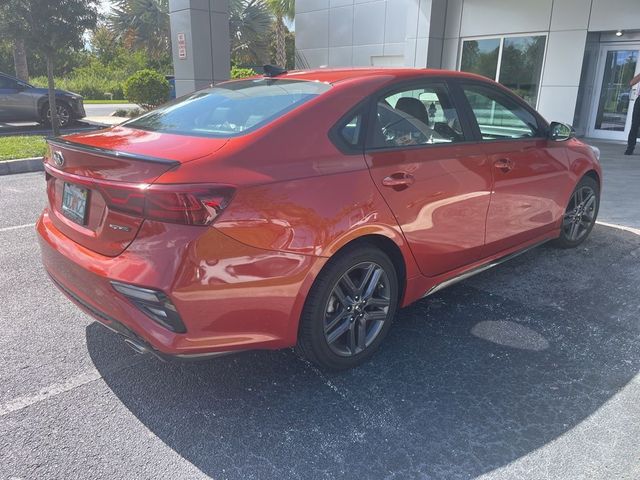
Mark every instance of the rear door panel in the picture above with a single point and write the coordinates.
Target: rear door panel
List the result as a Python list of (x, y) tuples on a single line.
[(438, 188), (442, 214)]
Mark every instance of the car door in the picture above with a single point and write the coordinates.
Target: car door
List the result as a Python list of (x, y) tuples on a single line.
[(434, 180), (530, 172), (15, 104)]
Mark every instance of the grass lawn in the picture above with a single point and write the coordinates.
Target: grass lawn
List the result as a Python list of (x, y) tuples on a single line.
[(21, 146), (104, 102)]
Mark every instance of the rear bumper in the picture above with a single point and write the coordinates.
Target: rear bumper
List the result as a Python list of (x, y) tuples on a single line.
[(231, 297), (134, 341)]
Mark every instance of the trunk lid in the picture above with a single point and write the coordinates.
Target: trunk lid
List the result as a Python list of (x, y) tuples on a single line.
[(96, 180)]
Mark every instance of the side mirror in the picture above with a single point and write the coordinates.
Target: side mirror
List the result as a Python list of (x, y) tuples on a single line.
[(560, 132)]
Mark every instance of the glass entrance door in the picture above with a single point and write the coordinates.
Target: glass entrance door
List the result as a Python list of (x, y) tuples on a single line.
[(613, 104)]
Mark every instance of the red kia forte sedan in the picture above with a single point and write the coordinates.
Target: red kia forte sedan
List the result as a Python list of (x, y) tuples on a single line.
[(303, 208)]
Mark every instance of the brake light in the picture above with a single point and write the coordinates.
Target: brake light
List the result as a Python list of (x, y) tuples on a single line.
[(196, 204), (189, 204)]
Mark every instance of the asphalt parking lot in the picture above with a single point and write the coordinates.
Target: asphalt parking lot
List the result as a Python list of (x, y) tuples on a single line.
[(530, 370)]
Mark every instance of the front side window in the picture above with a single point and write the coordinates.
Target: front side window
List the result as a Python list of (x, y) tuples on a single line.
[(515, 62), (230, 109), (498, 116), (417, 116)]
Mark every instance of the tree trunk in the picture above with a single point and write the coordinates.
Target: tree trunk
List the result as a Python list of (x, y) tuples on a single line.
[(20, 60), (52, 97), (281, 49)]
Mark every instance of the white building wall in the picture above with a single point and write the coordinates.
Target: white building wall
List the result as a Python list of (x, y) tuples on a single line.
[(351, 32)]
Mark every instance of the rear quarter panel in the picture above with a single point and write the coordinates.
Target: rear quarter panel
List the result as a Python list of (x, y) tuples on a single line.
[(296, 191)]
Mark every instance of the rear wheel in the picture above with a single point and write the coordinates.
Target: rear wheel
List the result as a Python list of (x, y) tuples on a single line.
[(64, 114), (580, 215), (349, 309)]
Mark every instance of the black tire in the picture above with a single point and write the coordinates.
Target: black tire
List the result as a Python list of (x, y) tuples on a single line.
[(364, 265), (581, 214), (65, 115)]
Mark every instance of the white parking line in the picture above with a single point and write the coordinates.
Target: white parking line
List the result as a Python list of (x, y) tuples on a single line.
[(56, 389), (16, 227), (619, 227), (48, 392)]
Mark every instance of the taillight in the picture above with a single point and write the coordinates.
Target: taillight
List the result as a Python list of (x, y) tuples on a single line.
[(196, 204), (189, 204)]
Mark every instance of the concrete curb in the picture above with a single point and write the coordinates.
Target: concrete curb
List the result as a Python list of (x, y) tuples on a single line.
[(21, 165)]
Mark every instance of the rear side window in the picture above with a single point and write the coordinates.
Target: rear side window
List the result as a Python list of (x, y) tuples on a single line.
[(351, 131), (416, 116), (498, 116), (230, 109), (8, 83)]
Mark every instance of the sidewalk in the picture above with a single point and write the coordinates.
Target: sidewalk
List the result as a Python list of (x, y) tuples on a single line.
[(619, 203)]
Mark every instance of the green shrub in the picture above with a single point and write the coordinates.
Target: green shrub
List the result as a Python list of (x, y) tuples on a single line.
[(238, 72), (147, 88), (131, 113), (90, 87)]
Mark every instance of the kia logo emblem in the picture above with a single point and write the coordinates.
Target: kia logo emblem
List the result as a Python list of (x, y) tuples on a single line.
[(58, 158)]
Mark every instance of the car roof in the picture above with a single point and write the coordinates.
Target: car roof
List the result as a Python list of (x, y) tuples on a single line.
[(335, 75)]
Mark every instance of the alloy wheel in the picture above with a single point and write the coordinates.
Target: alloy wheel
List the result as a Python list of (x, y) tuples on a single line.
[(357, 308), (580, 214), (63, 115)]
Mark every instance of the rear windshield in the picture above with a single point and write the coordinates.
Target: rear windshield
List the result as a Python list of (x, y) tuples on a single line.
[(230, 109)]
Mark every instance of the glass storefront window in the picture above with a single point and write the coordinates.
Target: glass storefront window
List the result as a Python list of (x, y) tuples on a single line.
[(481, 57), (516, 62), (521, 66)]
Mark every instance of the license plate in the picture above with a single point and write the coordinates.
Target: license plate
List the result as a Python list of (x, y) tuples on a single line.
[(74, 203)]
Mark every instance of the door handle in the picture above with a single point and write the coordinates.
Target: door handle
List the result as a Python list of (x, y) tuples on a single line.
[(504, 165), (398, 180)]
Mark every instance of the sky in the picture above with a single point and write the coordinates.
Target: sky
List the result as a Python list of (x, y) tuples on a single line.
[(104, 6)]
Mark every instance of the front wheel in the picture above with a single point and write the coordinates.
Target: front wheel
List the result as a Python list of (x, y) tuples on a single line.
[(349, 309), (580, 215), (64, 115)]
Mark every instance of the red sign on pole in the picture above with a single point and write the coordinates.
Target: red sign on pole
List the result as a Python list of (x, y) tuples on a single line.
[(182, 46)]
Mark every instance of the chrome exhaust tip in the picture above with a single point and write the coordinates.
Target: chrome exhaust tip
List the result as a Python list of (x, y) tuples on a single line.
[(136, 346)]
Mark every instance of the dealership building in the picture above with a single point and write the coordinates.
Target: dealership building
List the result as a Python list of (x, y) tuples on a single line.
[(571, 59)]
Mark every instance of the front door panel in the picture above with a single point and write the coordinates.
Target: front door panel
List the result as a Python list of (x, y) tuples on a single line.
[(528, 193), (530, 173)]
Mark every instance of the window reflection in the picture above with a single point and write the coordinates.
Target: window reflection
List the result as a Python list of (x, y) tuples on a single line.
[(520, 66), (481, 57), (613, 105)]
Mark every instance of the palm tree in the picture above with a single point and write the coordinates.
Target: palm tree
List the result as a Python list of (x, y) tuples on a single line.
[(249, 25), (10, 30), (145, 24), (281, 10), (142, 24)]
